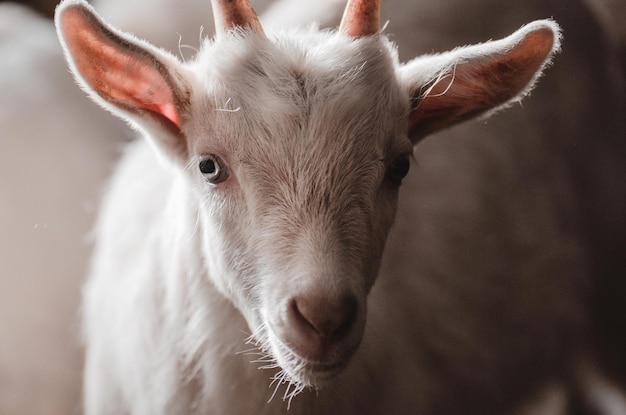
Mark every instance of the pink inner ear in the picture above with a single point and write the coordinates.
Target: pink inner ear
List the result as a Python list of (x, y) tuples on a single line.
[(121, 73), (481, 84), (133, 82)]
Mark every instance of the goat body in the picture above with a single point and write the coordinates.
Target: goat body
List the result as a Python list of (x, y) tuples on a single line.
[(257, 210)]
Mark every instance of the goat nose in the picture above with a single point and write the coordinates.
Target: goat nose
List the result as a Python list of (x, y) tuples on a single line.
[(322, 321)]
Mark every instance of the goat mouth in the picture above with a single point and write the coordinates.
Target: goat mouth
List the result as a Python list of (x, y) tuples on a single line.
[(312, 373), (320, 373), (292, 372)]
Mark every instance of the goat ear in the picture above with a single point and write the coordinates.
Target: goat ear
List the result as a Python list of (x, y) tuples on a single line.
[(133, 79), (476, 80)]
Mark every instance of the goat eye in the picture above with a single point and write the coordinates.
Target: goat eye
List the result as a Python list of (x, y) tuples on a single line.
[(399, 169), (212, 169)]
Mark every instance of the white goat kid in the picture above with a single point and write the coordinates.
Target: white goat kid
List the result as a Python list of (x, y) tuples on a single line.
[(262, 210)]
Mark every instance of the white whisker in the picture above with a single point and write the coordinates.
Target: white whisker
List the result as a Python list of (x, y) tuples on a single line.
[(200, 35), (226, 104)]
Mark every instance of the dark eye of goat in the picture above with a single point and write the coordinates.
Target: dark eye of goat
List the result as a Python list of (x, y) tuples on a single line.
[(399, 169), (212, 169)]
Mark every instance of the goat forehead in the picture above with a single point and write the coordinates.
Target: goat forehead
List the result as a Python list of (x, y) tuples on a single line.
[(229, 57), (297, 98)]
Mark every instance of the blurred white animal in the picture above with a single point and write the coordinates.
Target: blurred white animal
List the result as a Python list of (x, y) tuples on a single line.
[(50, 180), (259, 205)]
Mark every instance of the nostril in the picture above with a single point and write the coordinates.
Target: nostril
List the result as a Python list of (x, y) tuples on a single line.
[(349, 313), (328, 319), (301, 316)]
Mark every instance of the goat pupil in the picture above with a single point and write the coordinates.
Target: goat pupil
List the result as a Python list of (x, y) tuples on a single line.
[(213, 169), (208, 167), (399, 169)]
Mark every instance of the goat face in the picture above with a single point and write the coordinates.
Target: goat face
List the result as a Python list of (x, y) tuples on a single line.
[(311, 157), (294, 146)]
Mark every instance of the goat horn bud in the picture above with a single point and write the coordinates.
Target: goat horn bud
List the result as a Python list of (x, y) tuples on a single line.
[(361, 18), (234, 13)]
